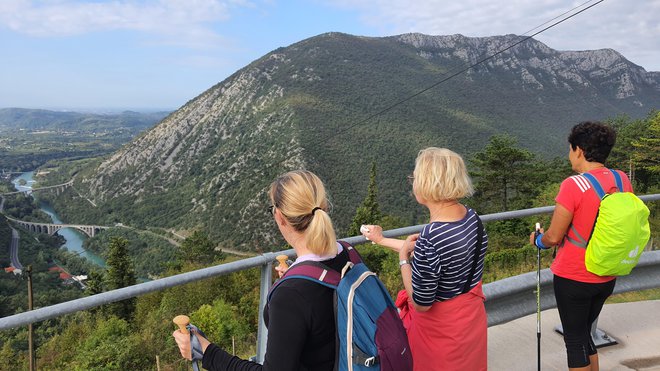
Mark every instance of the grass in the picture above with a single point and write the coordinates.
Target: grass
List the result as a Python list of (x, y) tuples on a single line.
[(650, 294)]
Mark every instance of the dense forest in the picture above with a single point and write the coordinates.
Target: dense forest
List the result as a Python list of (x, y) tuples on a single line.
[(136, 334)]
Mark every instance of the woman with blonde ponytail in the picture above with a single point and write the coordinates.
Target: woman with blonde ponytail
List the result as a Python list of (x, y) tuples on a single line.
[(300, 313), (300, 207)]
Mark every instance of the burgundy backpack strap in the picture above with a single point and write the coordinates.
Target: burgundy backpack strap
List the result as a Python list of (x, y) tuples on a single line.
[(312, 271), (353, 255)]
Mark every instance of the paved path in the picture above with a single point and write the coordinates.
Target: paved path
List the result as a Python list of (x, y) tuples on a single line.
[(635, 326), (13, 249)]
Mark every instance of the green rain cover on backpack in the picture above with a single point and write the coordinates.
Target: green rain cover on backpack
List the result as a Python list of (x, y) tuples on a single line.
[(620, 232)]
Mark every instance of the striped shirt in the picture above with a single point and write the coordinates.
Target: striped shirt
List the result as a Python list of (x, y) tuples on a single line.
[(444, 254)]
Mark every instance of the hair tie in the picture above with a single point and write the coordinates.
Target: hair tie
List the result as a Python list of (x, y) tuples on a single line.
[(314, 210)]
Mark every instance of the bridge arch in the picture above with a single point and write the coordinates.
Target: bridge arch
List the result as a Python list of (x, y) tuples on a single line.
[(51, 229)]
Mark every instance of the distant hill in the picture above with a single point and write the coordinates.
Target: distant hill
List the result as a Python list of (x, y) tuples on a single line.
[(208, 165), (39, 119), (31, 137)]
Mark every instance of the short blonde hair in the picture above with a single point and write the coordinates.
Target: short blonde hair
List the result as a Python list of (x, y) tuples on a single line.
[(440, 175), (301, 198)]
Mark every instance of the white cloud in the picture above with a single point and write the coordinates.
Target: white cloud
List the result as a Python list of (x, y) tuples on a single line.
[(179, 22), (632, 28)]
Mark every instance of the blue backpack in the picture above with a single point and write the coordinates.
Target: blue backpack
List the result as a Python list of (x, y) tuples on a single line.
[(370, 334)]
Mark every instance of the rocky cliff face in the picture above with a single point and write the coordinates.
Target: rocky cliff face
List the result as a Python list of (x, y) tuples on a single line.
[(208, 165), (207, 128), (604, 71)]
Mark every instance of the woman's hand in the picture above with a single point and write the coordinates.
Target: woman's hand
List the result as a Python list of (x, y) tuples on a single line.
[(408, 247), (183, 341), (281, 269), (371, 232), (532, 237)]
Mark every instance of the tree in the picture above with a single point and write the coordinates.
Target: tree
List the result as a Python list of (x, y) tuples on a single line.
[(647, 147), (221, 322), (95, 282), (635, 152), (369, 211), (505, 175), (120, 274), (198, 248)]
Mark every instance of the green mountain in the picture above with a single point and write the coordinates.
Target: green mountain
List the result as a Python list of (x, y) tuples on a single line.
[(39, 119), (31, 137), (329, 104)]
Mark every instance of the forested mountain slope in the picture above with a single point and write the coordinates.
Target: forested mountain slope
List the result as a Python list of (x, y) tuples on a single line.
[(208, 165)]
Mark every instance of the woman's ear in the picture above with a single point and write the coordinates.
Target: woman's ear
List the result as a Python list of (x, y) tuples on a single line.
[(279, 218)]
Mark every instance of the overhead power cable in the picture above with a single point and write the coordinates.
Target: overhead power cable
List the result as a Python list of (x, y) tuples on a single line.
[(459, 72)]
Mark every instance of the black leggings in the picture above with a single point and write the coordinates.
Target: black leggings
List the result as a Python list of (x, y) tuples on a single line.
[(579, 304)]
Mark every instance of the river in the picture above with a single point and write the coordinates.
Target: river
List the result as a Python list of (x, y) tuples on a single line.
[(74, 238)]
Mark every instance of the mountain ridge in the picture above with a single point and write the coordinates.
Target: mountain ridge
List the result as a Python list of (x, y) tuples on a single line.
[(208, 165)]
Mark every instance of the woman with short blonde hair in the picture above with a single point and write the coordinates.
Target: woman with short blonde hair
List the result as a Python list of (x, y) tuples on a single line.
[(440, 175), (443, 303)]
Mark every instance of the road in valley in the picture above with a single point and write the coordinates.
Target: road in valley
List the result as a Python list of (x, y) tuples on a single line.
[(13, 250)]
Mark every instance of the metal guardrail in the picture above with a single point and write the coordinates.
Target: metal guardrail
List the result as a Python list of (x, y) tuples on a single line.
[(515, 297), (507, 299)]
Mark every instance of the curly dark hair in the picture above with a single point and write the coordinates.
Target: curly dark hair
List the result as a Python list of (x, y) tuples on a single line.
[(594, 138)]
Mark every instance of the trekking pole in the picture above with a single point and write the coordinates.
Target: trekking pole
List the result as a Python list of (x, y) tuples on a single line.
[(183, 322), (282, 259), (538, 299)]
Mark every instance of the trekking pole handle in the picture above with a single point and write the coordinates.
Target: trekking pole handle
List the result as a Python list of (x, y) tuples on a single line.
[(182, 321), (282, 259)]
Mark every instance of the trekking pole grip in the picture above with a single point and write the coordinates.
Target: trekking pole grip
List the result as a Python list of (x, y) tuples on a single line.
[(182, 321), (282, 259)]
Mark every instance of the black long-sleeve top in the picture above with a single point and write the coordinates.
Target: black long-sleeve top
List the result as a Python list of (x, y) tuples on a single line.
[(301, 325)]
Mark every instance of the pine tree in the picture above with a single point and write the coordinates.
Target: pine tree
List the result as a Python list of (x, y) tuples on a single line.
[(505, 175), (120, 273), (369, 211), (198, 248), (647, 147)]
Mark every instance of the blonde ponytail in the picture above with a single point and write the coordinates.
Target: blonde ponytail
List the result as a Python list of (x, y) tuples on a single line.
[(301, 198)]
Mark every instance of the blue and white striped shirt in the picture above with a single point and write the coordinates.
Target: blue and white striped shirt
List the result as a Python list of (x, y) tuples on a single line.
[(444, 254)]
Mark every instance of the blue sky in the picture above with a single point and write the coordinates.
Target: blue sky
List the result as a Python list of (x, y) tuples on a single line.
[(158, 54)]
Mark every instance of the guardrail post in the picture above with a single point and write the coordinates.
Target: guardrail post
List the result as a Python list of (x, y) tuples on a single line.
[(600, 338), (262, 331)]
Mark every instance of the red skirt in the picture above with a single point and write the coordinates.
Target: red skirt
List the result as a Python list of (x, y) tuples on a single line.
[(451, 335)]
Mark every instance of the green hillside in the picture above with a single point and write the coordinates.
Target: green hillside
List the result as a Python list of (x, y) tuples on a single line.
[(312, 105)]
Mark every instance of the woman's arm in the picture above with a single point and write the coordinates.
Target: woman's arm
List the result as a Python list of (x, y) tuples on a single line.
[(375, 234), (561, 221), (288, 324), (405, 252)]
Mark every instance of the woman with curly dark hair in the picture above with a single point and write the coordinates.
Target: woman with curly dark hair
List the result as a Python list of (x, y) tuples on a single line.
[(580, 294)]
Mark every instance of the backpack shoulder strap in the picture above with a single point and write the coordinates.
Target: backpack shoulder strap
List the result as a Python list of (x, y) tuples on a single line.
[(617, 179), (353, 255), (595, 184), (580, 241), (477, 253), (311, 271)]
